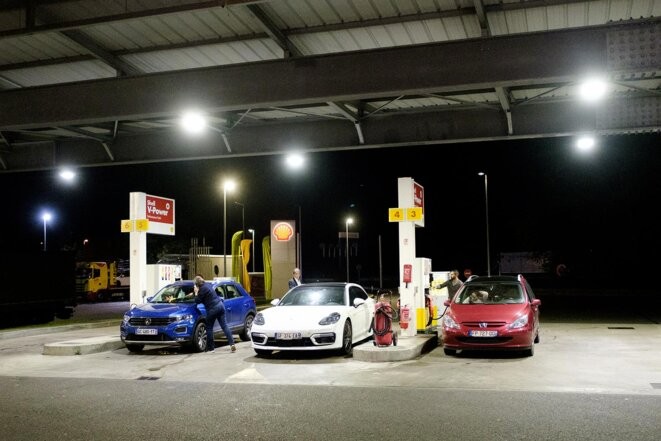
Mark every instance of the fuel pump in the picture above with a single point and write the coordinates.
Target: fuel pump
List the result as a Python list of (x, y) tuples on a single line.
[(421, 300)]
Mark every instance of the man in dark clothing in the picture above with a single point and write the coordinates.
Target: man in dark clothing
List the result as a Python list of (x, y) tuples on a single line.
[(215, 308), (453, 284), (295, 279)]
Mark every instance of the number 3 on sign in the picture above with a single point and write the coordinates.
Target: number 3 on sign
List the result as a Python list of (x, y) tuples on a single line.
[(414, 214)]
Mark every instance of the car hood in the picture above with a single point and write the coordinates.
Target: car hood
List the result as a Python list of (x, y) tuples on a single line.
[(488, 313), (163, 309), (300, 316)]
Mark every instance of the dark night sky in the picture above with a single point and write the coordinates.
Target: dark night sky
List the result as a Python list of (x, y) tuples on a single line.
[(594, 212)]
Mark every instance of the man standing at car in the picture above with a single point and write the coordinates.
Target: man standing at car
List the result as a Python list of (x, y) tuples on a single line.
[(295, 279), (453, 284), (215, 308)]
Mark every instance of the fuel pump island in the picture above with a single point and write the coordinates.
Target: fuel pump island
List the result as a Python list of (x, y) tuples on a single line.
[(418, 307)]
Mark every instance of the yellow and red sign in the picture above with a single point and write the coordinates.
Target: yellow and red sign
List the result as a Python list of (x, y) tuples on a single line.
[(283, 232)]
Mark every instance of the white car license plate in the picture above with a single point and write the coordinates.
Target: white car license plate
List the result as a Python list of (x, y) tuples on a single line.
[(146, 331), (483, 333), (288, 335)]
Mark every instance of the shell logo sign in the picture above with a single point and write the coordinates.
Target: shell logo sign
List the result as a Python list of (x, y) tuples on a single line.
[(283, 232)]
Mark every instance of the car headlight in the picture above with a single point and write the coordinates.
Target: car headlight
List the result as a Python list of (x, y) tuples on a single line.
[(449, 322), (520, 322), (259, 319), (183, 317), (126, 319), (330, 319)]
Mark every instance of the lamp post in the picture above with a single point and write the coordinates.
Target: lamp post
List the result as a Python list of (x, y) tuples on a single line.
[(486, 210), (227, 186), (46, 217), (348, 221), (252, 232)]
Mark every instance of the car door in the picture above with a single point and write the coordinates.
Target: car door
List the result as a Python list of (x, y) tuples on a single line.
[(361, 316), (233, 304)]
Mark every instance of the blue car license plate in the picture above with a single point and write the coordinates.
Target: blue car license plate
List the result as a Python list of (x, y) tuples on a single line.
[(146, 331)]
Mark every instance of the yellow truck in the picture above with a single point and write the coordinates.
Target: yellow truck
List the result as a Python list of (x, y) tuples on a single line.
[(100, 281)]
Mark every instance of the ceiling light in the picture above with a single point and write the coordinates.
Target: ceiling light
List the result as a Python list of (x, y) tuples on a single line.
[(593, 89), (193, 122)]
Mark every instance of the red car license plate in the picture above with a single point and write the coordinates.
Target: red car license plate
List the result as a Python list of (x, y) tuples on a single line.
[(483, 333)]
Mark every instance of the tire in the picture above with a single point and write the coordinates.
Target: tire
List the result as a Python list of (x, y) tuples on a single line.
[(529, 352), (134, 348), (536, 338), (263, 352), (247, 326), (347, 339), (449, 351), (199, 340)]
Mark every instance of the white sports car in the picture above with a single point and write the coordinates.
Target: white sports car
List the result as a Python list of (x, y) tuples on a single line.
[(315, 316)]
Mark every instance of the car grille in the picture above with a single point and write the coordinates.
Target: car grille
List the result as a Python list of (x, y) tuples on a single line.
[(484, 340), (143, 338), (299, 343), (155, 321), (476, 325)]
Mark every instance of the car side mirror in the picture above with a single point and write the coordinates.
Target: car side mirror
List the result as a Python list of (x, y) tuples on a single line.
[(358, 301)]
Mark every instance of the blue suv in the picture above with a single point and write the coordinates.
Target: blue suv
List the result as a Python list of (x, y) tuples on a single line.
[(171, 318)]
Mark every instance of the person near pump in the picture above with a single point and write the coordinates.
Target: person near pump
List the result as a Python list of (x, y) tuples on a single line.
[(452, 284), (295, 279), (215, 308)]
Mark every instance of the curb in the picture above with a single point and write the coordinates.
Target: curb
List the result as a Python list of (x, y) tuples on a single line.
[(83, 346), (408, 348)]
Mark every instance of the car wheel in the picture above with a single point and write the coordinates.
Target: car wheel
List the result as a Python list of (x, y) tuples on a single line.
[(347, 339), (536, 338), (135, 348), (450, 351), (247, 325), (199, 341), (263, 352), (529, 352)]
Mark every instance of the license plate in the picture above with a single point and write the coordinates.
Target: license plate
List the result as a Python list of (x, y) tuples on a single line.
[(483, 333), (288, 335), (146, 331)]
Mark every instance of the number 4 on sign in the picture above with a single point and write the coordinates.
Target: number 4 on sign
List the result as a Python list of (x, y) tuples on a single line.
[(395, 214), (414, 214)]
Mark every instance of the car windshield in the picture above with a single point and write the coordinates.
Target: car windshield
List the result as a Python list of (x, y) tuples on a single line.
[(314, 296), (173, 293), (495, 293)]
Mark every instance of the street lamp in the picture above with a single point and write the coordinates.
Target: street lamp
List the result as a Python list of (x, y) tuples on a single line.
[(348, 221), (46, 217), (227, 186), (252, 232), (486, 207), (295, 161)]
